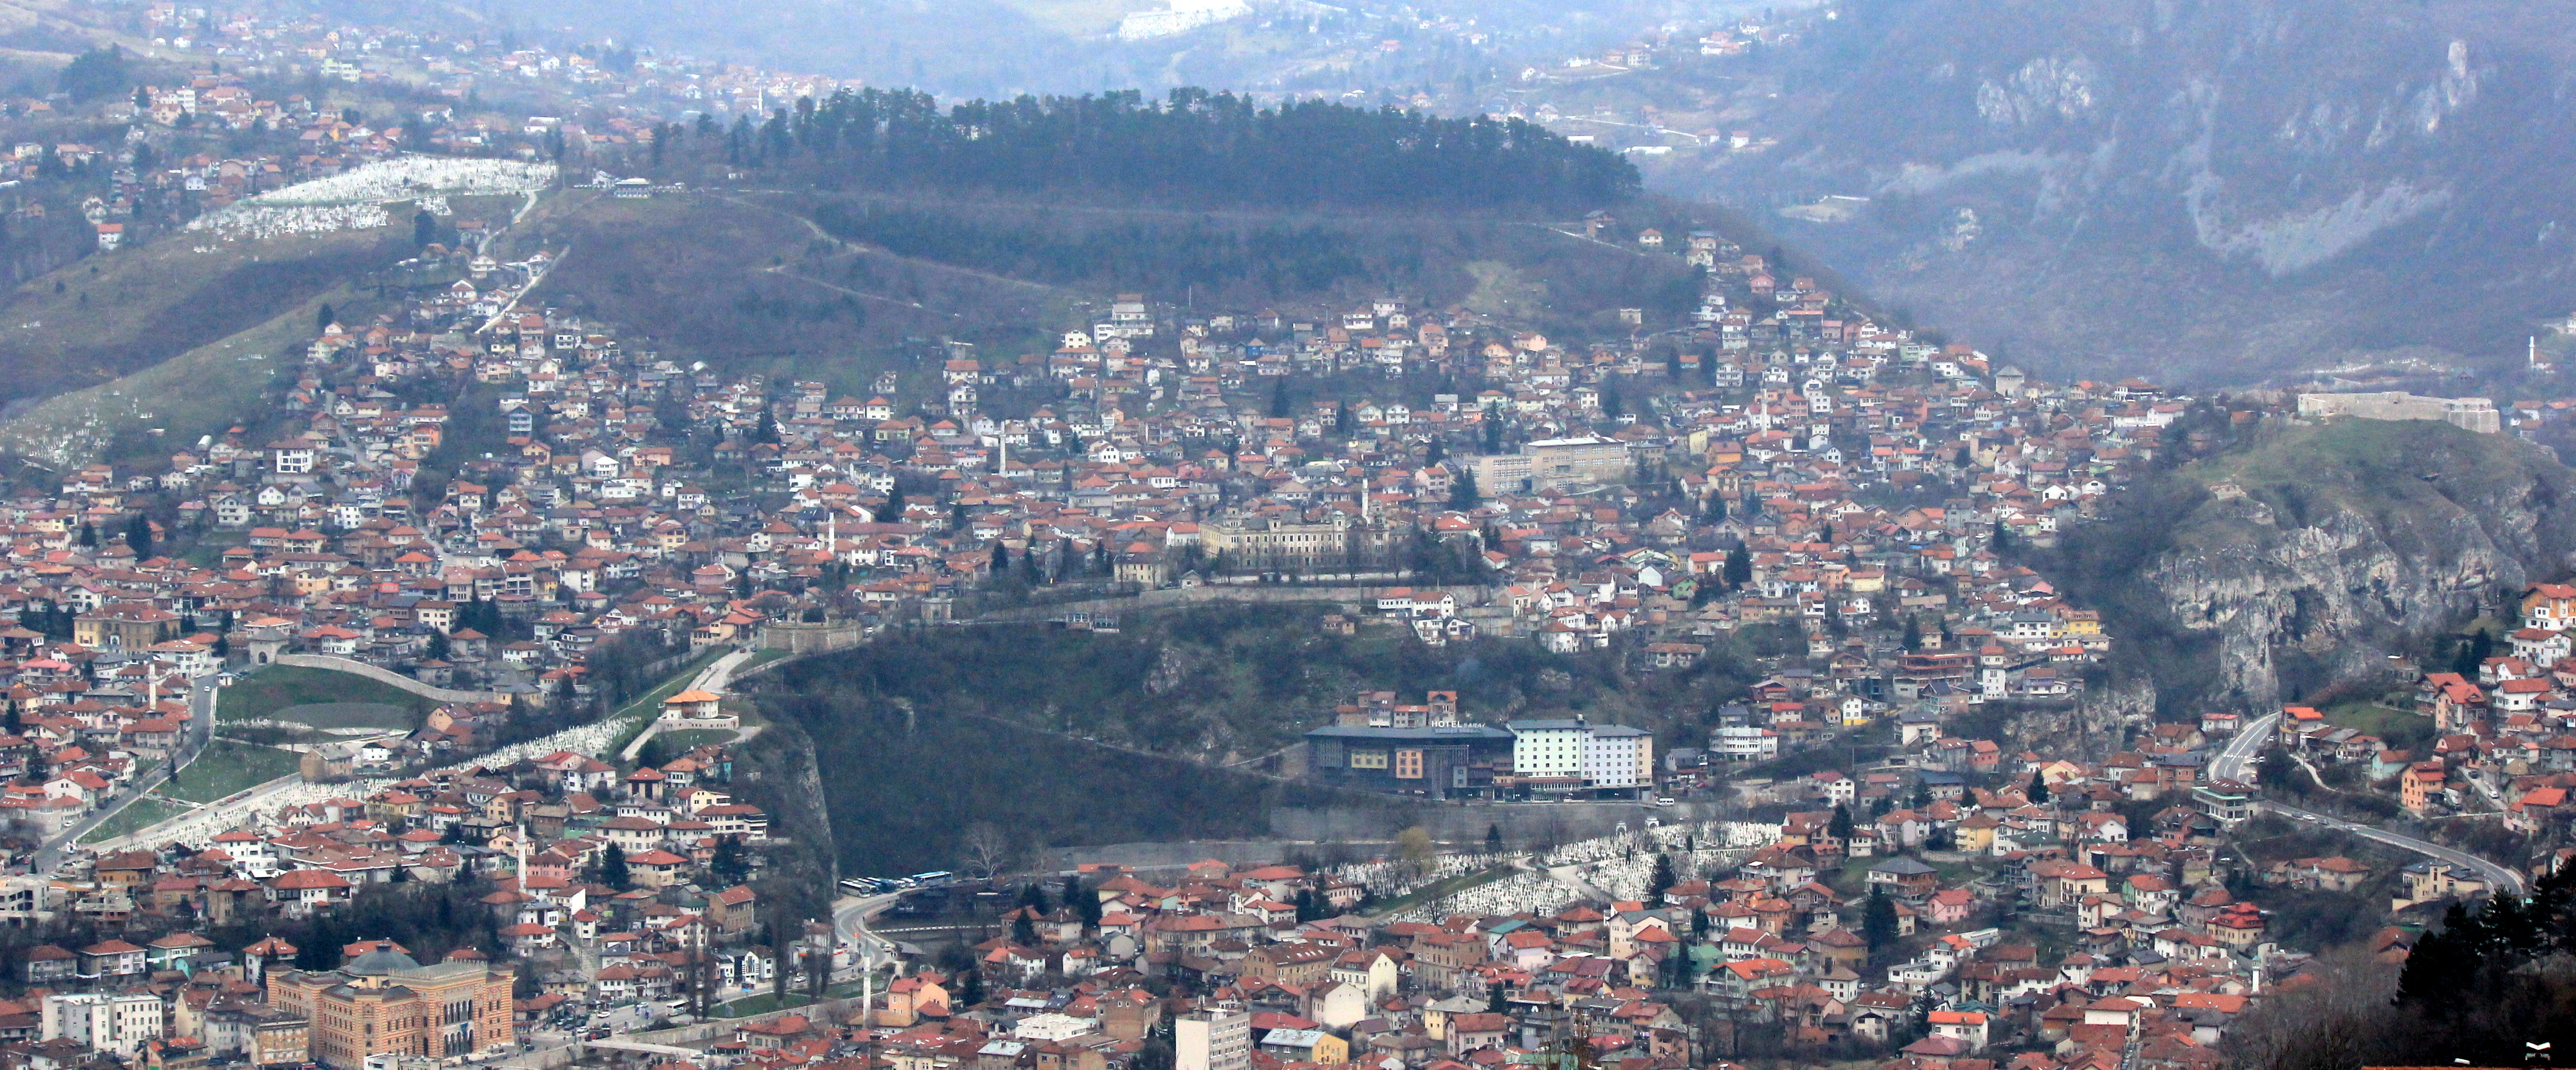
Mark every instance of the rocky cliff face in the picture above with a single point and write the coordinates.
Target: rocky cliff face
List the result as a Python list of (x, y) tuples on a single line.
[(2311, 559), (2210, 189)]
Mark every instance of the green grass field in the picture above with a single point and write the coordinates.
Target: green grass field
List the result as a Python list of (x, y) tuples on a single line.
[(225, 767), (649, 704), (2399, 729), (678, 743), (265, 693), (143, 813), (350, 715), (1442, 889)]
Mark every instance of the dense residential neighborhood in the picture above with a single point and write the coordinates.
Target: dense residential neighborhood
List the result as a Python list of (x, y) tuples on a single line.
[(408, 719), (1846, 487)]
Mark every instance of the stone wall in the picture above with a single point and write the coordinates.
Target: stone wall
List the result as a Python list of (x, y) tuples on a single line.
[(387, 676)]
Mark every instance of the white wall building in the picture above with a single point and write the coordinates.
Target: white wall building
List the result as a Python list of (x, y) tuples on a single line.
[(1212, 1040), (1618, 756), (120, 1023), (1745, 743), (1553, 748)]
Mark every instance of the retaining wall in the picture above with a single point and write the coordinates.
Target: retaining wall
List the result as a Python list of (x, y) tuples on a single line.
[(387, 676)]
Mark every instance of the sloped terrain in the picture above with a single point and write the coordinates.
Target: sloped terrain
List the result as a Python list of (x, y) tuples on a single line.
[(115, 314), (2257, 576), (822, 284), (2210, 190)]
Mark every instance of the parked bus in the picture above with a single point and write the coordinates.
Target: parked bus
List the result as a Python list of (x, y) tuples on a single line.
[(934, 879)]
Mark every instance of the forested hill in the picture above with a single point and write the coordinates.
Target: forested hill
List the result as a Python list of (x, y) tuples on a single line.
[(1194, 148)]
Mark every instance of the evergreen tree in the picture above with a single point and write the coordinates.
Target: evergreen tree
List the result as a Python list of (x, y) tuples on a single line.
[(1155, 1054), (88, 536), (1913, 637), (1739, 566), (138, 534), (1497, 1001), (1493, 839), (612, 869), (1840, 828), (1085, 905), (2038, 790), (1660, 881), (1023, 931), (728, 866), (1463, 494), (2474, 653), (1878, 920), (2441, 970)]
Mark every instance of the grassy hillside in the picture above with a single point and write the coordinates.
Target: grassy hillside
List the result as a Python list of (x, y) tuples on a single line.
[(739, 282), (837, 287), (112, 315), (929, 733), (1224, 683), (277, 687), (905, 788), (186, 333), (199, 391)]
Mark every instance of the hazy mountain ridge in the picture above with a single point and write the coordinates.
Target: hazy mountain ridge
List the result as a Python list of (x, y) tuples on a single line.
[(1008, 47), (2220, 190)]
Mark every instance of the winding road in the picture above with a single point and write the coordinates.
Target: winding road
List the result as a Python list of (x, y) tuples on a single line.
[(2236, 762), (201, 730)]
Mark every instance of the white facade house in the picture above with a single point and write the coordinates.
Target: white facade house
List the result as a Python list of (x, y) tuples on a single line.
[(120, 1023), (1745, 743)]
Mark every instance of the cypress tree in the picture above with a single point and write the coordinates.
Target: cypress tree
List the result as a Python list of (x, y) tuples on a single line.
[(1878, 920)]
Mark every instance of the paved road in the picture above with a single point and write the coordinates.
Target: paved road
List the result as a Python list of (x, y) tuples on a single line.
[(713, 679), (850, 915), (201, 728), (2496, 874), (2236, 762)]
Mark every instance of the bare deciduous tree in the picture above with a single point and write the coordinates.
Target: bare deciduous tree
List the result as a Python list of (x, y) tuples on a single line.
[(2331, 1021), (988, 850)]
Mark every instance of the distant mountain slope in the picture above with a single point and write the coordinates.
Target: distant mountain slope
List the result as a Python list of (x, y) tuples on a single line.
[(1008, 47), (2215, 189)]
